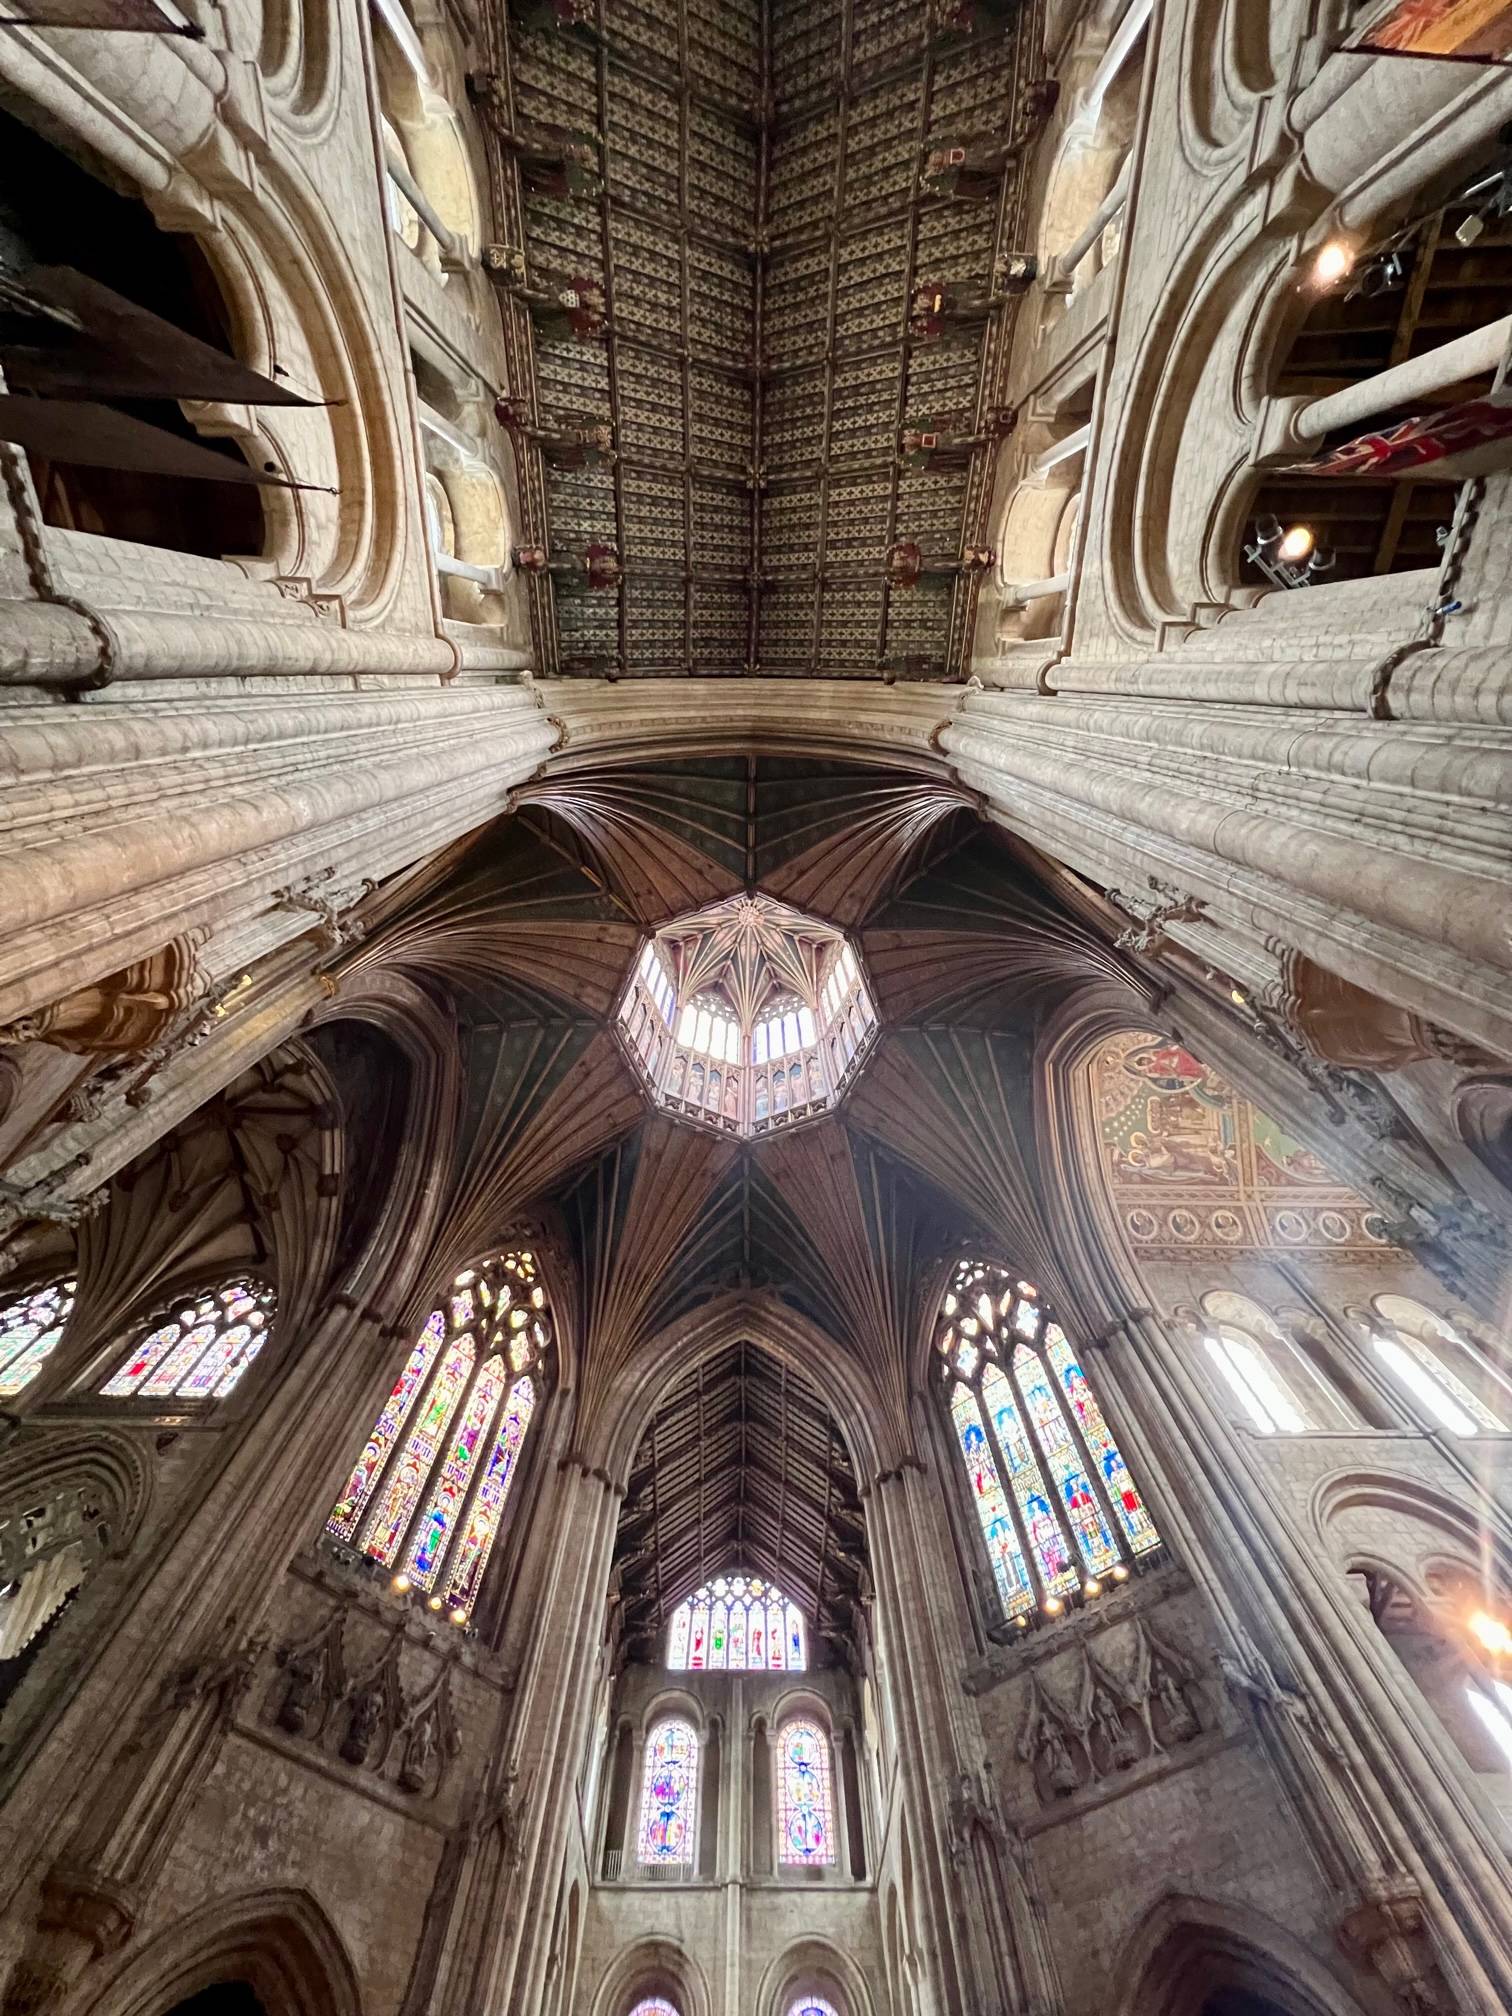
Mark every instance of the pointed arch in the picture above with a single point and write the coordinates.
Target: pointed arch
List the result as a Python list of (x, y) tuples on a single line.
[(1189, 1948), (280, 1943)]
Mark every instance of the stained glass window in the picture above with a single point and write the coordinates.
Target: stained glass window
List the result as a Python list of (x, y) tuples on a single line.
[(429, 1490), (199, 1349), (30, 1325), (739, 1623), (805, 1801), (669, 1795), (812, 2005), (654, 2005), (1058, 1509)]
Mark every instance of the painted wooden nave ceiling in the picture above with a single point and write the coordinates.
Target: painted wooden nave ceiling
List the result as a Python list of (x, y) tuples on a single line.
[(719, 218)]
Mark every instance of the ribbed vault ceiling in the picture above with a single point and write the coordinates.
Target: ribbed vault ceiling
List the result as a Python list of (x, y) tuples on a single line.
[(515, 953), (755, 219)]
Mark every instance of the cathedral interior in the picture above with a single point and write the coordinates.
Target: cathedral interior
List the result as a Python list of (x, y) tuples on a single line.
[(755, 1008)]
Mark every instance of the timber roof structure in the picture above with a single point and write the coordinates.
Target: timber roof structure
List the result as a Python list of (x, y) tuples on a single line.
[(514, 954), (737, 204)]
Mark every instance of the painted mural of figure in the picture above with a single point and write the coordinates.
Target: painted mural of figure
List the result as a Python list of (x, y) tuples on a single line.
[(732, 1095)]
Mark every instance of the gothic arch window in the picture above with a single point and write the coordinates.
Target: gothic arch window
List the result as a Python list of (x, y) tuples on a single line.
[(655, 2005), (30, 1326), (1459, 1388), (668, 1834), (1265, 1400), (1057, 1506), (805, 1794), (737, 1624), (812, 2005), (428, 1493), (199, 1348)]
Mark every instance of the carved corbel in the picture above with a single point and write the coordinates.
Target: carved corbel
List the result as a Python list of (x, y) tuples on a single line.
[(1388, 1933), (83, 1917)]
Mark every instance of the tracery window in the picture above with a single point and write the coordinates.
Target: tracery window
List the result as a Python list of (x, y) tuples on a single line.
[(669, 1795), (1023, 1411), (812, 2005), (200, 1349), (30, 1326), (428, 1493), (654, 2005), (737, 1624), (1427, 1355), (805, 1795)]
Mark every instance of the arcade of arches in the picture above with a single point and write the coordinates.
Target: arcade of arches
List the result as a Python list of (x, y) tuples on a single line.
[(755, 1059)]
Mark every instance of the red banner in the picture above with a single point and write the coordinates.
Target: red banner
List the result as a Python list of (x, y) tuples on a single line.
[(1473, 439)]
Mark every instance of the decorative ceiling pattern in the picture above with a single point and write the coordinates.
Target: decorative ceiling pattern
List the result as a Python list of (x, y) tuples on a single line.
[(524, 947), (1191, 1164), (754, 251), (742, 1466)]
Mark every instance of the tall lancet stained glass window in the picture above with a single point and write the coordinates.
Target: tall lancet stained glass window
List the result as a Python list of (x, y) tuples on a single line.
[(669, 1795), (427, 1495), (737, 1624), (1058, 1509), (805, 1798)]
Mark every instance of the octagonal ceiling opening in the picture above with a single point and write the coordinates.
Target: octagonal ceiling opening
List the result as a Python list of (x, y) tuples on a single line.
[(747, 1016)]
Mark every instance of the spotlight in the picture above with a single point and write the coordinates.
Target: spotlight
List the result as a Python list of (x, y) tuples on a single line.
[(1239, 998), (1052, 1606), (1332, 263), (1091, 1587), (433, 1603), (1492, 1633), (458, 1616), (1296, 542), (401, 1583), (1120, 1573), (1021, 1623)]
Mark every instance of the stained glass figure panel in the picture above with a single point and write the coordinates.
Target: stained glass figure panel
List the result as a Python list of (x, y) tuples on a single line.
[(1009, 1571), (433, 1479), (669, 1795), (1057, 1506), (199, 1350), (738, 1623), (30, 1326), (805, 1799)]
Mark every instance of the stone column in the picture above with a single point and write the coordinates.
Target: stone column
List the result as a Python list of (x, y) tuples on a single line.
[(1378, 1792), (497, 1950), (938, 1740)]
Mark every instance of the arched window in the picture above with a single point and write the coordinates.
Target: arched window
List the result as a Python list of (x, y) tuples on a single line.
[(812, 2005), (805, 1795), (1439, 1368), (737, 1624), (669, 1796), (1491, 1703), (427, 1495), (1023, 1410), (655, 2005), (200, 1349), (30, 1325), (1261, 1392)]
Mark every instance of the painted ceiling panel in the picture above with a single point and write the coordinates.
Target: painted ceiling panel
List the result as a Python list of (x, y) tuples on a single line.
[(752, 213)]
